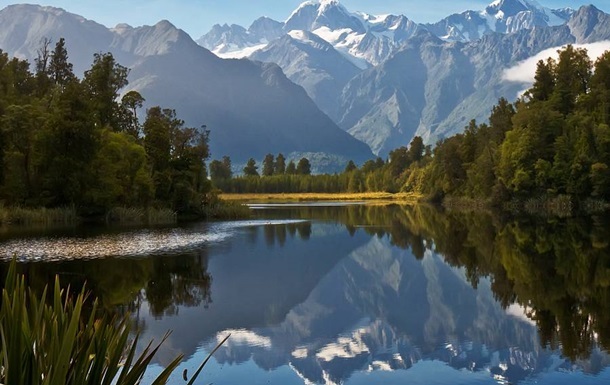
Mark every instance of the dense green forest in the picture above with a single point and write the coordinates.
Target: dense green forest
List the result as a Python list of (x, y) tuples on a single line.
[(554, 140), (66, 141)]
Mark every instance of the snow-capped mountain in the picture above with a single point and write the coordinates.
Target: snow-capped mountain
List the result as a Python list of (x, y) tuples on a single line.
[(365, 39), (234, 41), (432, 88), (370, 39), (503, 16), (250, 107)]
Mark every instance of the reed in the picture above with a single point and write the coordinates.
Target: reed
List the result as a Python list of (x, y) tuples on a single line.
[(228, 210), (47, 216), (408, 197)]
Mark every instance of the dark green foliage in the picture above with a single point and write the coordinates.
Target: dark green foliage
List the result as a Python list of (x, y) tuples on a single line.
[(553, 141), (280, 164), (251, 168), (544, 84), (268, 165), (128, 114), (304, 167), (60, 69), (103, 82), (291, 169), (351, 166), (221, 170), (69, 143)]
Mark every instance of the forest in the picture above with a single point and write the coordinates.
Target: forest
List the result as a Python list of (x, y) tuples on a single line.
[(553, 141), (70, 142)]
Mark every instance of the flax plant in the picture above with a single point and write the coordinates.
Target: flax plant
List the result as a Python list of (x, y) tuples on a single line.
[(55, 343)]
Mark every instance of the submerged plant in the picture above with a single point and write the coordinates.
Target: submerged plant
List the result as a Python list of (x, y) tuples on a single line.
[(55, 343)]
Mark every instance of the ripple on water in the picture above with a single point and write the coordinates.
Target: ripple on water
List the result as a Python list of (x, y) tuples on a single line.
[(128, 244)]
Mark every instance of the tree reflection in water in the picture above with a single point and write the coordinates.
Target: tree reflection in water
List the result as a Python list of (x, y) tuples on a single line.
[(556, 268)]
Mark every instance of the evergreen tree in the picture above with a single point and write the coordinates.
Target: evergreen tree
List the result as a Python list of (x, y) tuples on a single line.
[(226, 162), (268, 165), (280, 164), (416, 149), (60, 69), (351, 166), (544, 80), (573, 74), (500, 120), (303, 167), (251, 168), (291, 169)]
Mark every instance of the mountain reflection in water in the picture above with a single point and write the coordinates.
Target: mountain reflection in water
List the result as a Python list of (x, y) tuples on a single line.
[(370, 294)]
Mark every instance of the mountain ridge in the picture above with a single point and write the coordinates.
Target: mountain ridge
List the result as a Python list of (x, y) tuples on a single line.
[(346, 30), (251, 107)]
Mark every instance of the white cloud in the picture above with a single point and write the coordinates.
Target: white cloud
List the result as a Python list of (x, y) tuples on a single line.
[(524, 72)]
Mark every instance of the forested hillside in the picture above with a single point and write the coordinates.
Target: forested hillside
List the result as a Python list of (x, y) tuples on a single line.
[(554, 140)]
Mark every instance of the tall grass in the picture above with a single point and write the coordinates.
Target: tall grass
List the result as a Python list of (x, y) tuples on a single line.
[(28, 216), (409, 196), (55, 343)]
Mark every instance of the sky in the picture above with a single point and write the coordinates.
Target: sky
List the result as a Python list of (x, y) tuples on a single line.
[(196, 17)]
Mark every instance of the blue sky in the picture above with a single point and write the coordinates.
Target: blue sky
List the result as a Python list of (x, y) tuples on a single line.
[(197, 16)]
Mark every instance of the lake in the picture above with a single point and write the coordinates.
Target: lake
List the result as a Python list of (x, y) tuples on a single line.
[(351, 293)]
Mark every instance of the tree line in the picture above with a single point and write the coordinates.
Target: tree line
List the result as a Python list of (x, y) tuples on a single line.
[(66, 141), (277, 177), (554, 140)]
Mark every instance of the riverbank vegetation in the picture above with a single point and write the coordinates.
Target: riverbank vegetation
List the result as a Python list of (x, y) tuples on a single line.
[(70, 142), (365, 196), (551, 147)]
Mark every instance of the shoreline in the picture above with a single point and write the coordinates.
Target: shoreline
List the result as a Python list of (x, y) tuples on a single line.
[(379, 196)]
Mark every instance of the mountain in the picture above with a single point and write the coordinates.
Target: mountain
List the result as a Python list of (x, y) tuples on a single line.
[(433, 88), (229, 40), (503, 16), (250, 107), (365, 39), (386, 78), (312, 63), (370, 39)]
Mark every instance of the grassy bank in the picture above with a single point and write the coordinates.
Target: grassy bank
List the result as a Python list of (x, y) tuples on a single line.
[(404, 197), (67, 216), (38, 216)]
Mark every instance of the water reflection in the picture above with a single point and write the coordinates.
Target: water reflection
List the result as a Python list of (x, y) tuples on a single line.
[(353, 294)]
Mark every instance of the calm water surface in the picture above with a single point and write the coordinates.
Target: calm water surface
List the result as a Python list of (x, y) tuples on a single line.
[(352, 294)]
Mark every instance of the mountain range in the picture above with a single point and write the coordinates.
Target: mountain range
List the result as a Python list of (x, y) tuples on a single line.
[(250, 107), (327, 83), (408, 79)]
